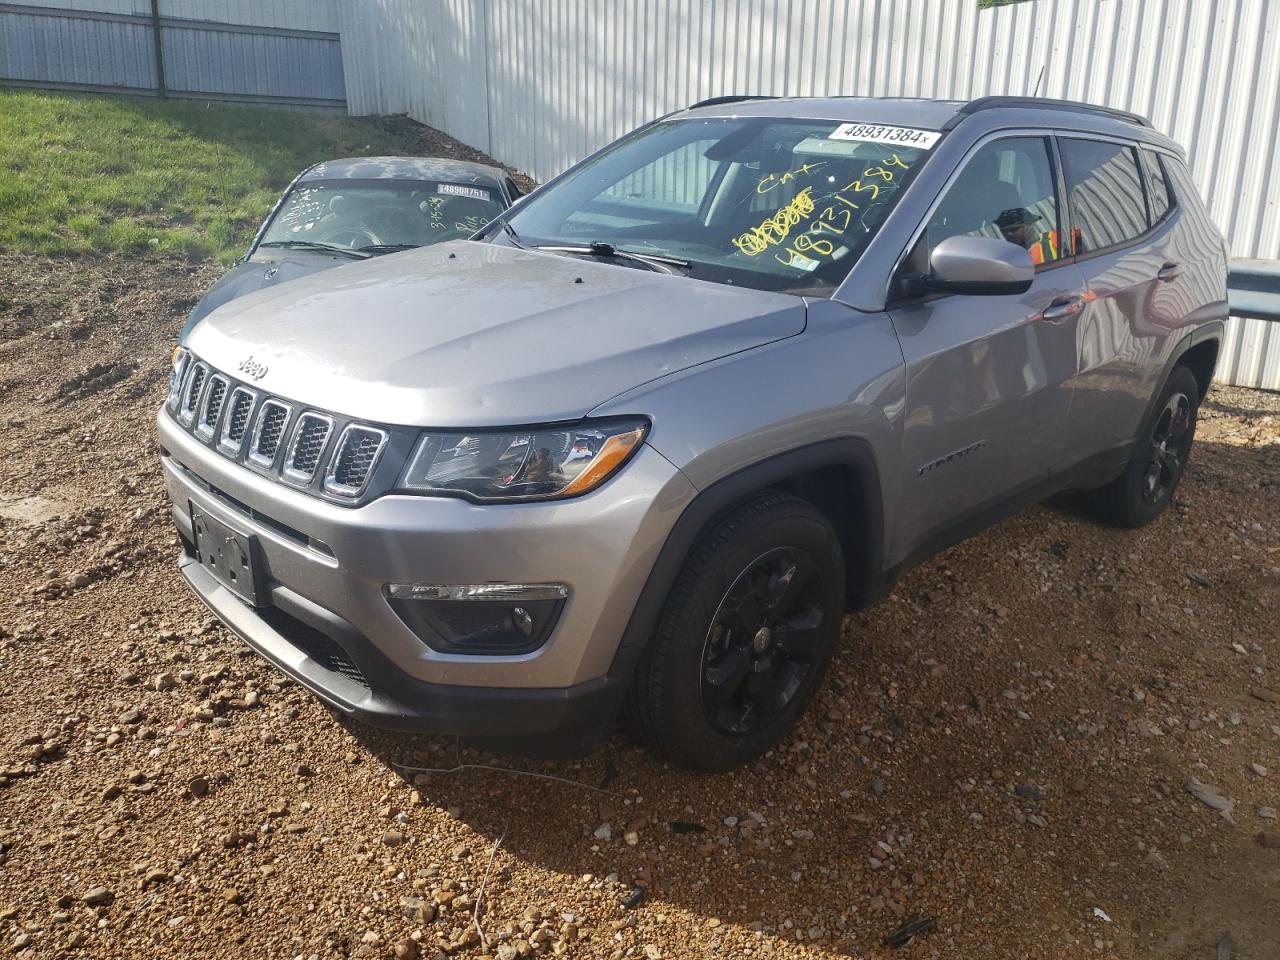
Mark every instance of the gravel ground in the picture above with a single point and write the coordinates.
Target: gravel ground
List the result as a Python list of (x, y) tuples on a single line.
[(1009, 744)]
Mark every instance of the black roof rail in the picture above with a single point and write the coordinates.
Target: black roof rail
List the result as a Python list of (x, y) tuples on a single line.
[(731, 98), (1046, 103)]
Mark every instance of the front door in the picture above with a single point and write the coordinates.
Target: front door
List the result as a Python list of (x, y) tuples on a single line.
[(988, 377)]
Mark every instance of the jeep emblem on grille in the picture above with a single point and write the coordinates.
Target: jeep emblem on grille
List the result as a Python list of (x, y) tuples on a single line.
[(252, 369)]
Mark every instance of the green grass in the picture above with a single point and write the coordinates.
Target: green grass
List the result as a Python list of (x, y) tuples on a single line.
[(86, 173)]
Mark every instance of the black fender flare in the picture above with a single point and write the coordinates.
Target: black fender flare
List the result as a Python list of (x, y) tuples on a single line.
[(1212, 330), (853, 453)]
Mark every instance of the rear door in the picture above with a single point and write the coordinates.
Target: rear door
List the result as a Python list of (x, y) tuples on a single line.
[(1125, 245), (988, 377)]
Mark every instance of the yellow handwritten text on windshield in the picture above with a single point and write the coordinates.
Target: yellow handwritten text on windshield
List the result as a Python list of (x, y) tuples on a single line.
[(834, 220), (778, 179), (775, 229)]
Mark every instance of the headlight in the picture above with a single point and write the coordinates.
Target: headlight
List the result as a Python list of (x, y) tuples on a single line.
[(541, 463), (177, 367)]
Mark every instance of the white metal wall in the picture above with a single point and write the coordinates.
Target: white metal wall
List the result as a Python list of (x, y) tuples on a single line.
[(541, 83), (288, 14)]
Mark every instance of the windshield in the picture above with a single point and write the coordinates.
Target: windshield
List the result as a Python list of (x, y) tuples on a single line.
[(782, 205), (360, 214)]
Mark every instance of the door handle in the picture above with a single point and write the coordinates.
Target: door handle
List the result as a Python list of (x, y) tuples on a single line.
[(1062, 309), (1170, 271)]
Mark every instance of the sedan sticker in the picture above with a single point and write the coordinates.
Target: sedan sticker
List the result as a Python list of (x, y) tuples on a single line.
[(876, 133), (458, 190)]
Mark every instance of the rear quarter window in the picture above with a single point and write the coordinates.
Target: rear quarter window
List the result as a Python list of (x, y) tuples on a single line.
[(1105, 187), (1159, 196)]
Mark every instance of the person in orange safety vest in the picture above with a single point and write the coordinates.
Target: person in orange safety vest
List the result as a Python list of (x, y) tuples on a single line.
[(1017, 225)]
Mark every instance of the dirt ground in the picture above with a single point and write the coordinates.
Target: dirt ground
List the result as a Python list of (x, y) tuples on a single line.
[(1003, 745)]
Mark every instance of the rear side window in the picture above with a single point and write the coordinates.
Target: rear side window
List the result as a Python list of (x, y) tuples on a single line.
[(1105, 188), (1158, 195)]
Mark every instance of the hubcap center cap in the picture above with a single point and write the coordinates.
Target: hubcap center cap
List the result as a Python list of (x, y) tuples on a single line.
[(760, 642)]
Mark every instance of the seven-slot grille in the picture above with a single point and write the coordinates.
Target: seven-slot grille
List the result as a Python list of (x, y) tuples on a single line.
[(266, 433), (236, 423), (357, 452), (214, 394), (309, 437), (191, 393)]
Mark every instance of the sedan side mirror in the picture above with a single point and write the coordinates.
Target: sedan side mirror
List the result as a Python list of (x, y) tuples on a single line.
[(979, 265)]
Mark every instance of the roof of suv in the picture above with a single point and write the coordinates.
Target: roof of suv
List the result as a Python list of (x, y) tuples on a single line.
[(937, 114)]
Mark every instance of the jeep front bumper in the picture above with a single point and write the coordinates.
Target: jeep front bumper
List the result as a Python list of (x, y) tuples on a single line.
[(324, 615)]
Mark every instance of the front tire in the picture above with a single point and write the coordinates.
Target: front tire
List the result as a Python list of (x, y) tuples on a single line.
[(745, 637), (1159, 458)]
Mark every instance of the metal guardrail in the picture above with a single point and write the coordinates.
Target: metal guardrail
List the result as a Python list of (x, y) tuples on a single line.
[(1253, 289)]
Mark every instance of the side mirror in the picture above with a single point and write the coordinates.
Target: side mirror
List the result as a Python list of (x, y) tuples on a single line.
[(980, 265)]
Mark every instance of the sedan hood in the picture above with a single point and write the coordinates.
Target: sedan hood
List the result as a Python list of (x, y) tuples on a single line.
[(266, 268), (474, 334)]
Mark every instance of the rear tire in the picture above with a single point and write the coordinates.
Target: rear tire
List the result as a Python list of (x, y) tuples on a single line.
[(1159, 458), (745, 636)]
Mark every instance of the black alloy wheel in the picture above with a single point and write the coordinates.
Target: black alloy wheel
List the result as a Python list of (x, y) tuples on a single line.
[(1157, 459), (762, 642), (745, 636), (1170, 443)]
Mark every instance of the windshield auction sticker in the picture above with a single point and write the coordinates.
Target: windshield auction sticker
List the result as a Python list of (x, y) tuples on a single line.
[(458, 190), (875, 133)]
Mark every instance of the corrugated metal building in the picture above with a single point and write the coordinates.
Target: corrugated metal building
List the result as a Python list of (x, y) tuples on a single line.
[(272, 51), (541, 83)]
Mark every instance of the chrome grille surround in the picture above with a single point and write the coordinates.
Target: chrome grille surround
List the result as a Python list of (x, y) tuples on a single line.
[(177, 377), (306, 446), (235, 422), (354, 458), (325, 455), (211, 406), (268, 431), (191, 390)]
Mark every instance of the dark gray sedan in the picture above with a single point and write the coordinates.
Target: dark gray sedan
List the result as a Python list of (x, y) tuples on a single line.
[(343, 210)]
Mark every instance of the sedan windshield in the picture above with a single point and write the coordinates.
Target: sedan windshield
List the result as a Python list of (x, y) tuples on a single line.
[(380, 215), (782, 205)]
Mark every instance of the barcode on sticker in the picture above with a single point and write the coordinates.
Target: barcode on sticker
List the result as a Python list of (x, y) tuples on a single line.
[(877, 133), (458, 190)]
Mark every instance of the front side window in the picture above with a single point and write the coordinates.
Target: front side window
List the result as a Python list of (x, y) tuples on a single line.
[(1005, 191), (369, 214), (1105, 187), (771, 204)]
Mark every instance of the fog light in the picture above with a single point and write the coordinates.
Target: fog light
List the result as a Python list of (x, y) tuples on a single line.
[(493, 619)]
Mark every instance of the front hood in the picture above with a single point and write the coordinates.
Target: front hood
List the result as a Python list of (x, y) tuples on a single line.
[(263, 269), (473, 334)]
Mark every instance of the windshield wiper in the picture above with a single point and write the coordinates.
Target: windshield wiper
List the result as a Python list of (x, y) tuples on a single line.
[(376, 248), (511, 233), (313, 245), (607, 251)]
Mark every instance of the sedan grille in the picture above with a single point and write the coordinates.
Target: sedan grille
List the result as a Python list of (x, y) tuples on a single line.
[(309, 438), (326, 455)]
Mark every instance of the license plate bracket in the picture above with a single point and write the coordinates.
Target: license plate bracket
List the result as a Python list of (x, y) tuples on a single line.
[(228, 554)]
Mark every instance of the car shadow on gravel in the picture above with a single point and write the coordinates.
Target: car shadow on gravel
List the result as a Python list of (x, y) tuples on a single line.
[(976, 753)]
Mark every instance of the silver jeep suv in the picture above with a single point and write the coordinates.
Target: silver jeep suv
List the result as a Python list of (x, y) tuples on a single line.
[(639, 445)]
